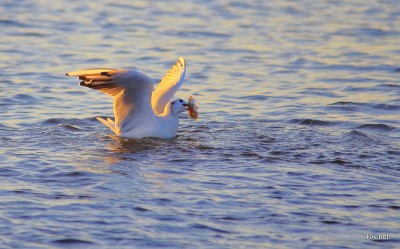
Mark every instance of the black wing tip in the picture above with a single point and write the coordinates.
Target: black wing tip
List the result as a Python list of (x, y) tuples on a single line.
[(98, 85)]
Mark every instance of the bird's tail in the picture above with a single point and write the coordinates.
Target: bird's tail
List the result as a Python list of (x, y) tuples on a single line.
[(109, 123)]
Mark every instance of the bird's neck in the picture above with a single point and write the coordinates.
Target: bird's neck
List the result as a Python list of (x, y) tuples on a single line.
[(167, 109), (168, 112), (170, 122)]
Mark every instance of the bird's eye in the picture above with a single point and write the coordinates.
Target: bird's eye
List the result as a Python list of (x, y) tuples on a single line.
[(181, 100)]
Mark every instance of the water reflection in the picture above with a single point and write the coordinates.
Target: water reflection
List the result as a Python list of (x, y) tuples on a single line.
[(132, 146)]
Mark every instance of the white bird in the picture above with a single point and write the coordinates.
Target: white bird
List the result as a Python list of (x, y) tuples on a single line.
[(139, 110)]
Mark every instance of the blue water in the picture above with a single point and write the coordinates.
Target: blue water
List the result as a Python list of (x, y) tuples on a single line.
[(298, 143)]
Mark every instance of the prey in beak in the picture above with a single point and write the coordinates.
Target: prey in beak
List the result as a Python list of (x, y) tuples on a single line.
[(192, 109)]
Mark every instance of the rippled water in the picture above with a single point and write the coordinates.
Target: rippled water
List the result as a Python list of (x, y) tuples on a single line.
[(298, 144)]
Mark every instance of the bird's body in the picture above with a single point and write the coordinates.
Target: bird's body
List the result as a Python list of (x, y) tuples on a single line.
[(139, 110)]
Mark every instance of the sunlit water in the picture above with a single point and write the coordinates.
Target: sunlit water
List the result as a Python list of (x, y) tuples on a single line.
[(297, 146)]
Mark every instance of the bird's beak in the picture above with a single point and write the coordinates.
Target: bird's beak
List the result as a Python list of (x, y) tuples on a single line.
[(186, 105)]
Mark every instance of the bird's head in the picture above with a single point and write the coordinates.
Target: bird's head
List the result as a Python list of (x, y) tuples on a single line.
[(178, 106)]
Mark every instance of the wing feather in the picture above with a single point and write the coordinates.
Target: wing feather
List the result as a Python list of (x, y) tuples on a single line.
[(94, 71), (131, 91), (168, 86)]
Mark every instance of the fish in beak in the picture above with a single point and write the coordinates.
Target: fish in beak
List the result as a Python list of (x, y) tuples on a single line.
[(192, 109)]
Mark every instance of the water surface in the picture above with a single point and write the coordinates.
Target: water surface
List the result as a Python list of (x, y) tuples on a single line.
[(297, 147)]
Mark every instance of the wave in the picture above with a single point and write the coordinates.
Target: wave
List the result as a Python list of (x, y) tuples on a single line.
[(254, 97), (357, 135), (74, 242), (379, 127), (348, 105), (19, 99), (387, 107), (71, 124), (311, 122)]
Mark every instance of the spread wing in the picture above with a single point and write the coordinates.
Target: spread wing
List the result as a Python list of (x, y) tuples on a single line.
[(168, 86), (130, 89)]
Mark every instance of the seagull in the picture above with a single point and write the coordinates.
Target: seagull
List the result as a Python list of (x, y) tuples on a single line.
[(140, 110)]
